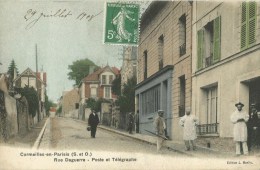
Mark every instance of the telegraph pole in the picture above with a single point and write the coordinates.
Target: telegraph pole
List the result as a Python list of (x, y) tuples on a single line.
[(37, 90)]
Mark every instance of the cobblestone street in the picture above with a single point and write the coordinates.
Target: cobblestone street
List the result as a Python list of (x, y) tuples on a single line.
[(67, 134)]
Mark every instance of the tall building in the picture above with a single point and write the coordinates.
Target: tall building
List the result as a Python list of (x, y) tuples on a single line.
[(164, 64), (225, 62), (129, 64)]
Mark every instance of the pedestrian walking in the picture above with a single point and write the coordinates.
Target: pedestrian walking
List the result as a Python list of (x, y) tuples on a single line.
[(253, 126), (239, 119), (160, 127), (189, 123), (130, 123), (93, 121)]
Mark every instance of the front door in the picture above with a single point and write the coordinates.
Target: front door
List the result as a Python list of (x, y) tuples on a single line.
[(254, 93)]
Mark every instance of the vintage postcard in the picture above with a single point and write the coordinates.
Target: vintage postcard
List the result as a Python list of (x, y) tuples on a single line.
[(129, 84)]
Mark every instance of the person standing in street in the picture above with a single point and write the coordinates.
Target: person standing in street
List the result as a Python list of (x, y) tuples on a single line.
[(253, 129), (130, 123), (239, 119), (160, 128), (93, 121), (189, 122)]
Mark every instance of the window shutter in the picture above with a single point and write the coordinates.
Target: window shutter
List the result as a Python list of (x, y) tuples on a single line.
[(200, 49), (251, 22), (243, 44), (216, 39)]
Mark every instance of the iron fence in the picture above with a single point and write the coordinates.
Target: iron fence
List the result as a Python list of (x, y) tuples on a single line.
[(208, 129)]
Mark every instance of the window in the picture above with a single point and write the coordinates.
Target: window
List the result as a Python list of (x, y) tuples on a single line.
[(209, 120), (182, 26), (107, 92), (182, 96), (93, 92), (76, 105), (145, 64), (110, 79), (151, 100), (248, 24), (208, 45), (160, 51), (104, 78), (212, 103)]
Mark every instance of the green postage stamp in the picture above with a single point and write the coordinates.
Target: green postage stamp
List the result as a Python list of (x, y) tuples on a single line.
[(122, 23)]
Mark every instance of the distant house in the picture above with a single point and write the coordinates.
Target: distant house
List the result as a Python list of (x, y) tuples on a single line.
[(70, 103), (30, 78), (97, 85)]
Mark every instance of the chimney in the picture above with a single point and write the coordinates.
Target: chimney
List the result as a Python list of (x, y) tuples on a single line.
[(91, 69)]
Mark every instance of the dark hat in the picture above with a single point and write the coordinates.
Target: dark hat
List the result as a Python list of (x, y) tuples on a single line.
[(239, 103)]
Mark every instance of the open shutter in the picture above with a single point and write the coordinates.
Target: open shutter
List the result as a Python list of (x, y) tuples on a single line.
[(251, 22), (216, 39), (200, 49), (243, 43)]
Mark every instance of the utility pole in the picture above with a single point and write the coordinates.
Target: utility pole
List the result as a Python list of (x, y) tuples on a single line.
[(37, 90)]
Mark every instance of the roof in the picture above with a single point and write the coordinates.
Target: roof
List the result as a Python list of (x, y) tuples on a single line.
[(153, 9), (29, 73), (95, 75)]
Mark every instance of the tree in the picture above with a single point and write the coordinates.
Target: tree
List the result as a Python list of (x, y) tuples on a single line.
[(116, 85), (32, 99), (48, 104), (80, 69), (58, 111), (95, 104), (11, 69), (126, 101)]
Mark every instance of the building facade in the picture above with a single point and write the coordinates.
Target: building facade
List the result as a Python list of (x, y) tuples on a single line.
[(164, 64), (225, 62), (128, 69), (70, 103), (97, 85)]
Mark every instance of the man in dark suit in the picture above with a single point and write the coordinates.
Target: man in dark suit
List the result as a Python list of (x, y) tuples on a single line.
[(93, 121)]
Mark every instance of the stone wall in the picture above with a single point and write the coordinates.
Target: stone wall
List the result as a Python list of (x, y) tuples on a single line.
[(23, 116), (3, 115)]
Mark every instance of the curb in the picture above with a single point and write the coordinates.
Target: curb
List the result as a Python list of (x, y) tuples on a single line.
[(143, 140), (38, 140), (166, 145)]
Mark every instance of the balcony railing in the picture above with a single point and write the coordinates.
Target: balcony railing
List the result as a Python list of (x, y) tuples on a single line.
[(208, 129), (183, 49)]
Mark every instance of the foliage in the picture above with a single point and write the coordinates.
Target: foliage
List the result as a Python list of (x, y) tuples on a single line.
[(126, 101), (91, 103), (11, 69), (116, 85), (32, 99), (95, 104), (80, 69), (48, 104), (59, 110)]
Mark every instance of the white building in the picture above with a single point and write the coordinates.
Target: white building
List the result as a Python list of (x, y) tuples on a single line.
[(225, 62)]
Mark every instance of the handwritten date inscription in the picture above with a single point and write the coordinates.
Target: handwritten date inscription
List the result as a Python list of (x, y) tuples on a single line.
[(32, 17)]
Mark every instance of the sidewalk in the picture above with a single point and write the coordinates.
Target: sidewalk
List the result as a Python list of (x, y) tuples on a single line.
[(177, 146), (29, 139)]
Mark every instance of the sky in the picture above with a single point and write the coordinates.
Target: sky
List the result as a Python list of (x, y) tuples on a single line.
[(60, 40)]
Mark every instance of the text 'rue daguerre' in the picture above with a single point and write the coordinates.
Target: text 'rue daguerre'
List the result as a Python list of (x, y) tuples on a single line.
[(33, 16)]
